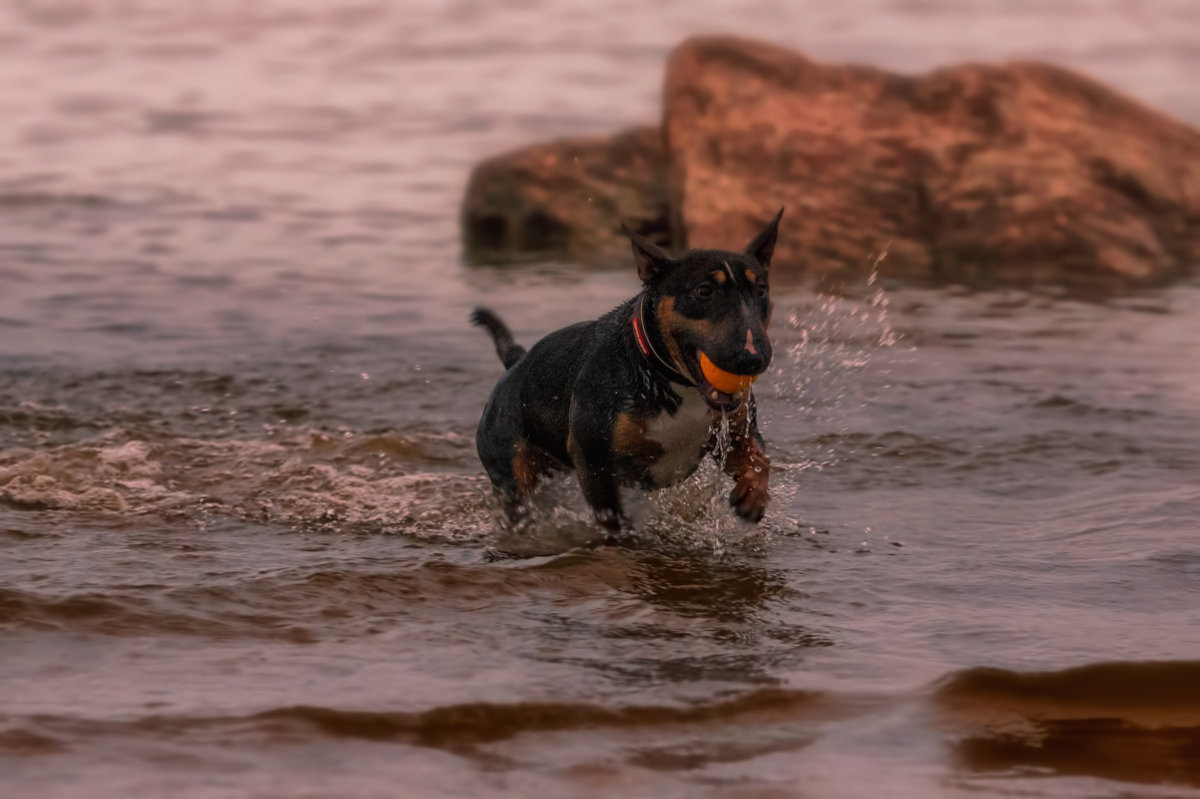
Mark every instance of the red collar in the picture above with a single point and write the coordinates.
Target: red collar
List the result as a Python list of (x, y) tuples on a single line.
[(649, 353)]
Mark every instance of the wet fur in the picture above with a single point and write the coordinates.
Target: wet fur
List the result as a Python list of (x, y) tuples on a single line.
[(586, 399)]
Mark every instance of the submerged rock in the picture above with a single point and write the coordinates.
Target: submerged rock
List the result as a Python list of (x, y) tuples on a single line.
[(567, 199), (1020, 173)]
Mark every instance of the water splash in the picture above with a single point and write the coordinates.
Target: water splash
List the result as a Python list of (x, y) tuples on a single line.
[(308, 481), (833, 371)]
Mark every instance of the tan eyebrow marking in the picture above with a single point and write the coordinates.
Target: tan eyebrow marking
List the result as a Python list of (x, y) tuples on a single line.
[(753, 278), (719, 277)]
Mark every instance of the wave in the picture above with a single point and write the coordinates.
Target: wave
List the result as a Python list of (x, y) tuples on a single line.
[(1142, 691), (134, 615), (1129, 721), (484, 722), (311, 480), (311, 602), (450, 726), (1092, 721)]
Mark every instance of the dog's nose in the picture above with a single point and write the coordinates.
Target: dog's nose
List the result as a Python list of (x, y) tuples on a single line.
[(753, 356), (749, 363)]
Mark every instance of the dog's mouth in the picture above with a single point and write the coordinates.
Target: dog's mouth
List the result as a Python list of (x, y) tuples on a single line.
[(733, 388)]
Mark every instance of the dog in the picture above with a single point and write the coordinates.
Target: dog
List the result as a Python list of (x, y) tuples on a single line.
[(637, 397)]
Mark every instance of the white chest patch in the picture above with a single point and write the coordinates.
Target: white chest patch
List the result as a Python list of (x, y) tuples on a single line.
[(682, 438)]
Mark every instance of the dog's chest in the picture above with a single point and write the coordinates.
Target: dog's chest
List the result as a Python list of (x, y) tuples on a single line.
[(682, 438)]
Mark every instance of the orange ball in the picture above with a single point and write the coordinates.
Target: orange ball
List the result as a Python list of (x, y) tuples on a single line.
[(725, 382)]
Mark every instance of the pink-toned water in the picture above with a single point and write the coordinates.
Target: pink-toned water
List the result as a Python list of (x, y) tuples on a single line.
[(244, 534)]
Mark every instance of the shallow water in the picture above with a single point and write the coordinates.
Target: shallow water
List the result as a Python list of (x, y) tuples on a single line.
[(245, 540)]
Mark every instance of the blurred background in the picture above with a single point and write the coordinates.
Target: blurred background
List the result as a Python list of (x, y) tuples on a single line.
[(242, 153)]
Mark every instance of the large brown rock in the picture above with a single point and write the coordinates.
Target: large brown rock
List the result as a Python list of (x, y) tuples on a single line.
[(567, 199), (1016, 173), (1020, 173)]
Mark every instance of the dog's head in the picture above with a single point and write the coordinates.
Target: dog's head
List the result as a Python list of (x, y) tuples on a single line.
[(712, 309)]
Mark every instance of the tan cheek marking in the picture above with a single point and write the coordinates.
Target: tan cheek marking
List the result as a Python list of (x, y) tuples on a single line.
[(668, 318), (669, 322)]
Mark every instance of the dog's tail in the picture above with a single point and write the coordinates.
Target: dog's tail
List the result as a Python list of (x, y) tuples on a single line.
[(509, 351)]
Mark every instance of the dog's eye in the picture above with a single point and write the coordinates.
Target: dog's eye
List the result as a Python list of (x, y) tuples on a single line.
[(705, 291), (761, 290)]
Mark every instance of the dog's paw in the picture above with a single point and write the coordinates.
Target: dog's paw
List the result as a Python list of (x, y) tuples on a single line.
[(615, 523), (749, 496)]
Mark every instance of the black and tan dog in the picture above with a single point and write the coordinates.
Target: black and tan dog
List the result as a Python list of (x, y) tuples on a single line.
[(637, 396)]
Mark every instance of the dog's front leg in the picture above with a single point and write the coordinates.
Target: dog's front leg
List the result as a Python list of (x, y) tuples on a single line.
[(603, 494), (747, 464), (590, 447), (594, 465)]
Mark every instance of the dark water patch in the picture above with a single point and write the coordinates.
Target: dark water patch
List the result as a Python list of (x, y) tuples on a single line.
[(1182, 562), (13, 201), (469, 724), (130, 329), (137, 615), (758, 668), (180, 121), (912, 458), (204, 281), (13, 534), (26, 743), (896, 444), (647, 625), (617, 578), (1059, 404), (698, 587), (1130, 721), (733, 747), (1081, 449), (359, 593), (477, 723), (215, 405), (32, 417), (1147, 692), (1105, 748)]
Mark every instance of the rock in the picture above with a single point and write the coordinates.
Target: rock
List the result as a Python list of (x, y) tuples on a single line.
[(997, 174), (567, 199), (1014, 174)]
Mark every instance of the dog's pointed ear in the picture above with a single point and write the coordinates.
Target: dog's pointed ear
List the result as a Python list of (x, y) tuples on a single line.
[(650, 259), (763, 246)]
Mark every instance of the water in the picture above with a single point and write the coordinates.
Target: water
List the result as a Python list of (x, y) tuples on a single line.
[(245, 536)]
